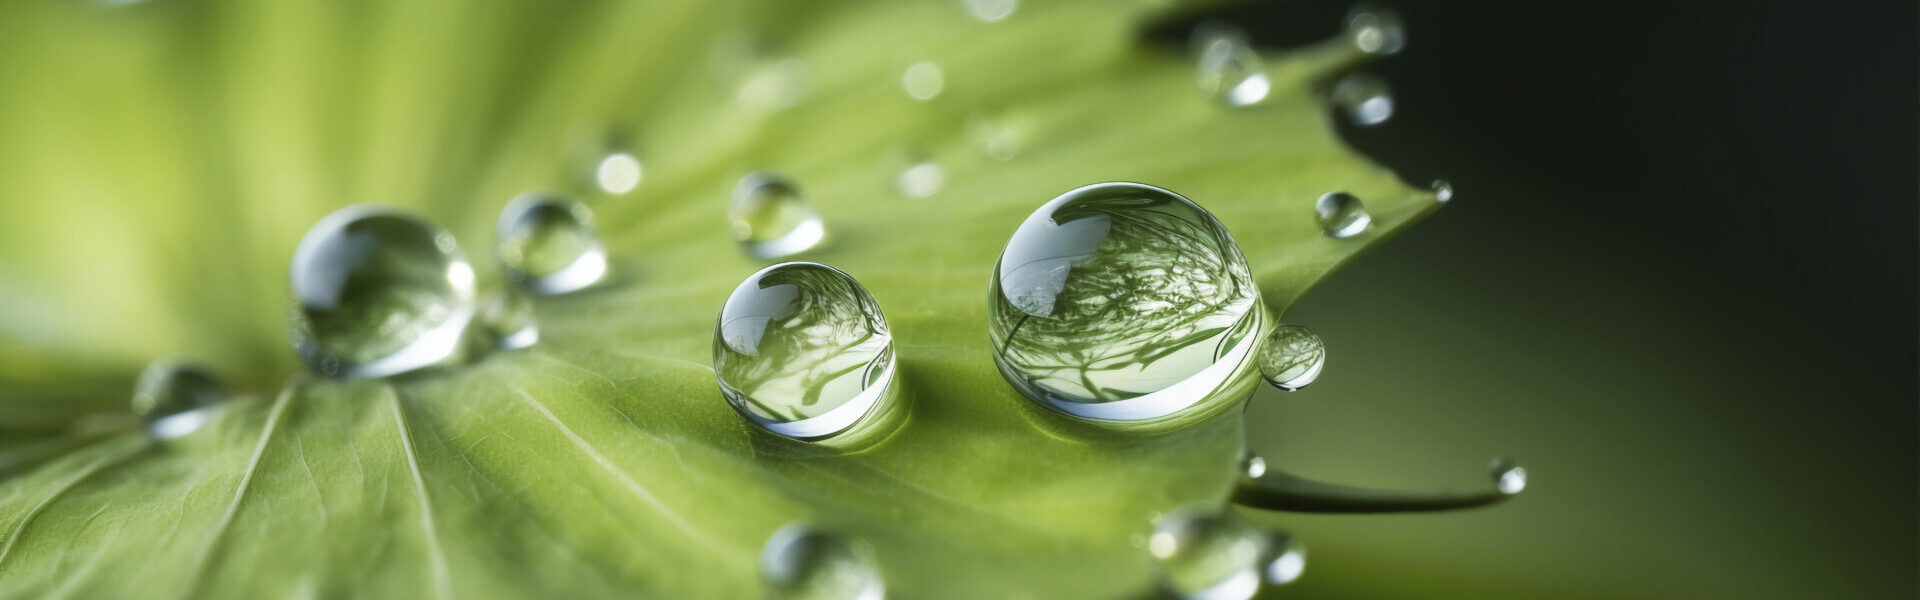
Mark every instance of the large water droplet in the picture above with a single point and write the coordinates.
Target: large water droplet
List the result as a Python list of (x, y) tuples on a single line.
[(547, 243), (1342, 215), (377, 293), (1508, 477), (175, 399), (1292, 357), (802, 350), (1230, 71), (1376, 29), (1442, 190), (1365, 98), (1122, 302), (923, 80), (1206, 555), (506, 313), (771, 218), (992, 11), (618, 173), (999, 135), (803, 563)]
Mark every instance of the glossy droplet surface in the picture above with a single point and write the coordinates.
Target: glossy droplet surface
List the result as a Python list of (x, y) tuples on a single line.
[(547, 243), (1375, 29), (1508, 477), (802, 350), (1442, 190), (803, 563), (618, 173), (1342, 215), (1365, 99), (507, 315), (1291, 357), (1122, 302), (1206, 555), (923, 80), (377, 292), (175, 399), (771, 218), (1229, 70)]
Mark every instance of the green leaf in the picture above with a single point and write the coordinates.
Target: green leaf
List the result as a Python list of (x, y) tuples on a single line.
[(160, 161)]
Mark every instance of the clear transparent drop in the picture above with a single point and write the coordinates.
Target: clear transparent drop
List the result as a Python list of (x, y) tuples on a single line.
[(1230, 71), (618, 173), (1364, 98), (803, 563), (1508, 477), (1284, 561), (1442, 191), (992, 11), (999, 135), (506, 314), (923, 80), (1252, 465), (771, 218), (1122, 302), (1291, 357), (1342, 215), (377, 292), (802, 350), (1209, 555), (547, 244), (1376, 30), (175, 399)]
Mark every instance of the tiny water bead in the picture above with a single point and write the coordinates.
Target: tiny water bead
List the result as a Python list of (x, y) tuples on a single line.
[(1206, 555), (1442, 191), (1122, 302), (1364, 98), (1252, 465), (1376, 29), (1291, 357), (923, 80), (377, 293), (803, 563), (175, 399), (1508, 477), (506, 315), (771, 218), (1230, 71), (803, 351), (1342, 215), (618, 173), (547, 243)]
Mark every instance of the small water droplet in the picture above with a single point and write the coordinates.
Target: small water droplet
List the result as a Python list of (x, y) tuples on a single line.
[(377, 292), (547, 244), (1376, 29), (1230, 71), (803, 563), (1442, 190), (1508, 477), (1291, 357), (507, 315), (1285, 559), (1342, 215), (1252, 465), (992, 11), (998, 135), (802, 350), (1366, 99), (175, 399), (923, 80), (618, 173), (771, 218), (1122, 302), (1208, 555)]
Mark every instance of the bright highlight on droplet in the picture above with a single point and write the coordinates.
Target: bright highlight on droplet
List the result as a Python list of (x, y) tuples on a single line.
[(1211, 555), (992, 11), (923, 80), (377, 293), (1253, 466), (1508, 477), (547, 243), (1229, 70), (1342, 215), (800, 562), (1291, 357), (1375, 29), (1365, 99), (618, 173), (770, 218), (803, 351), (175, 399), (1442, 190)]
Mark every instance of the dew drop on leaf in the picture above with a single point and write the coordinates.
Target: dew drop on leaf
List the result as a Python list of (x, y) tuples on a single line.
[(1376, 29), (1211, 555), (1291, 357), (506, 315), (618, 173), (1229, 70), (1342, 215), (803, 563), (175, 399), (1252, 465), (547, 243), (1442, 190), (1364, 98), (1508, 477), (771, 218), (377, 292), (802, 350), (1122, 302)]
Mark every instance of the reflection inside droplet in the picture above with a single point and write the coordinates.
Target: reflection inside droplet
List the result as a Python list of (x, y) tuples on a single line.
[(803, 351), (548, 244), (1292, 357), (378, 293), (175, 399), (771, 218), (1342, 215), (1229, 70)]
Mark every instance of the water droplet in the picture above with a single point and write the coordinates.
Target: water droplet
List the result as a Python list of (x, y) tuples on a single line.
[(377, 292), (773, 85), (175, 399), (1206, 555), (998, 135), (1508, 477), (1252, 465), (923, 80), (1230, 71), (547, 244), (802, 350), (771, 218), (1292, 357), (1366, 99), (1376, 29), (507, 314), (1122, 302), (618, 173), (803, 563), (992, 11), (1442, 190), (1342, 215)]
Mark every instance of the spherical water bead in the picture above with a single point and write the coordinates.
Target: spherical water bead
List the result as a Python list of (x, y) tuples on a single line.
[(1230, 71), (506, 313), (1252, 465), (175, 399), (618, 173), (547, 244), (1508, 477), (1122, 302), (1376, 29), (992, 11), (377, 293), (803, 563), (1206, 555), (1291, 357), (923, 80), (802, 350), (1366, 99), (1442, 191), (1342, 215), (771, 218)]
